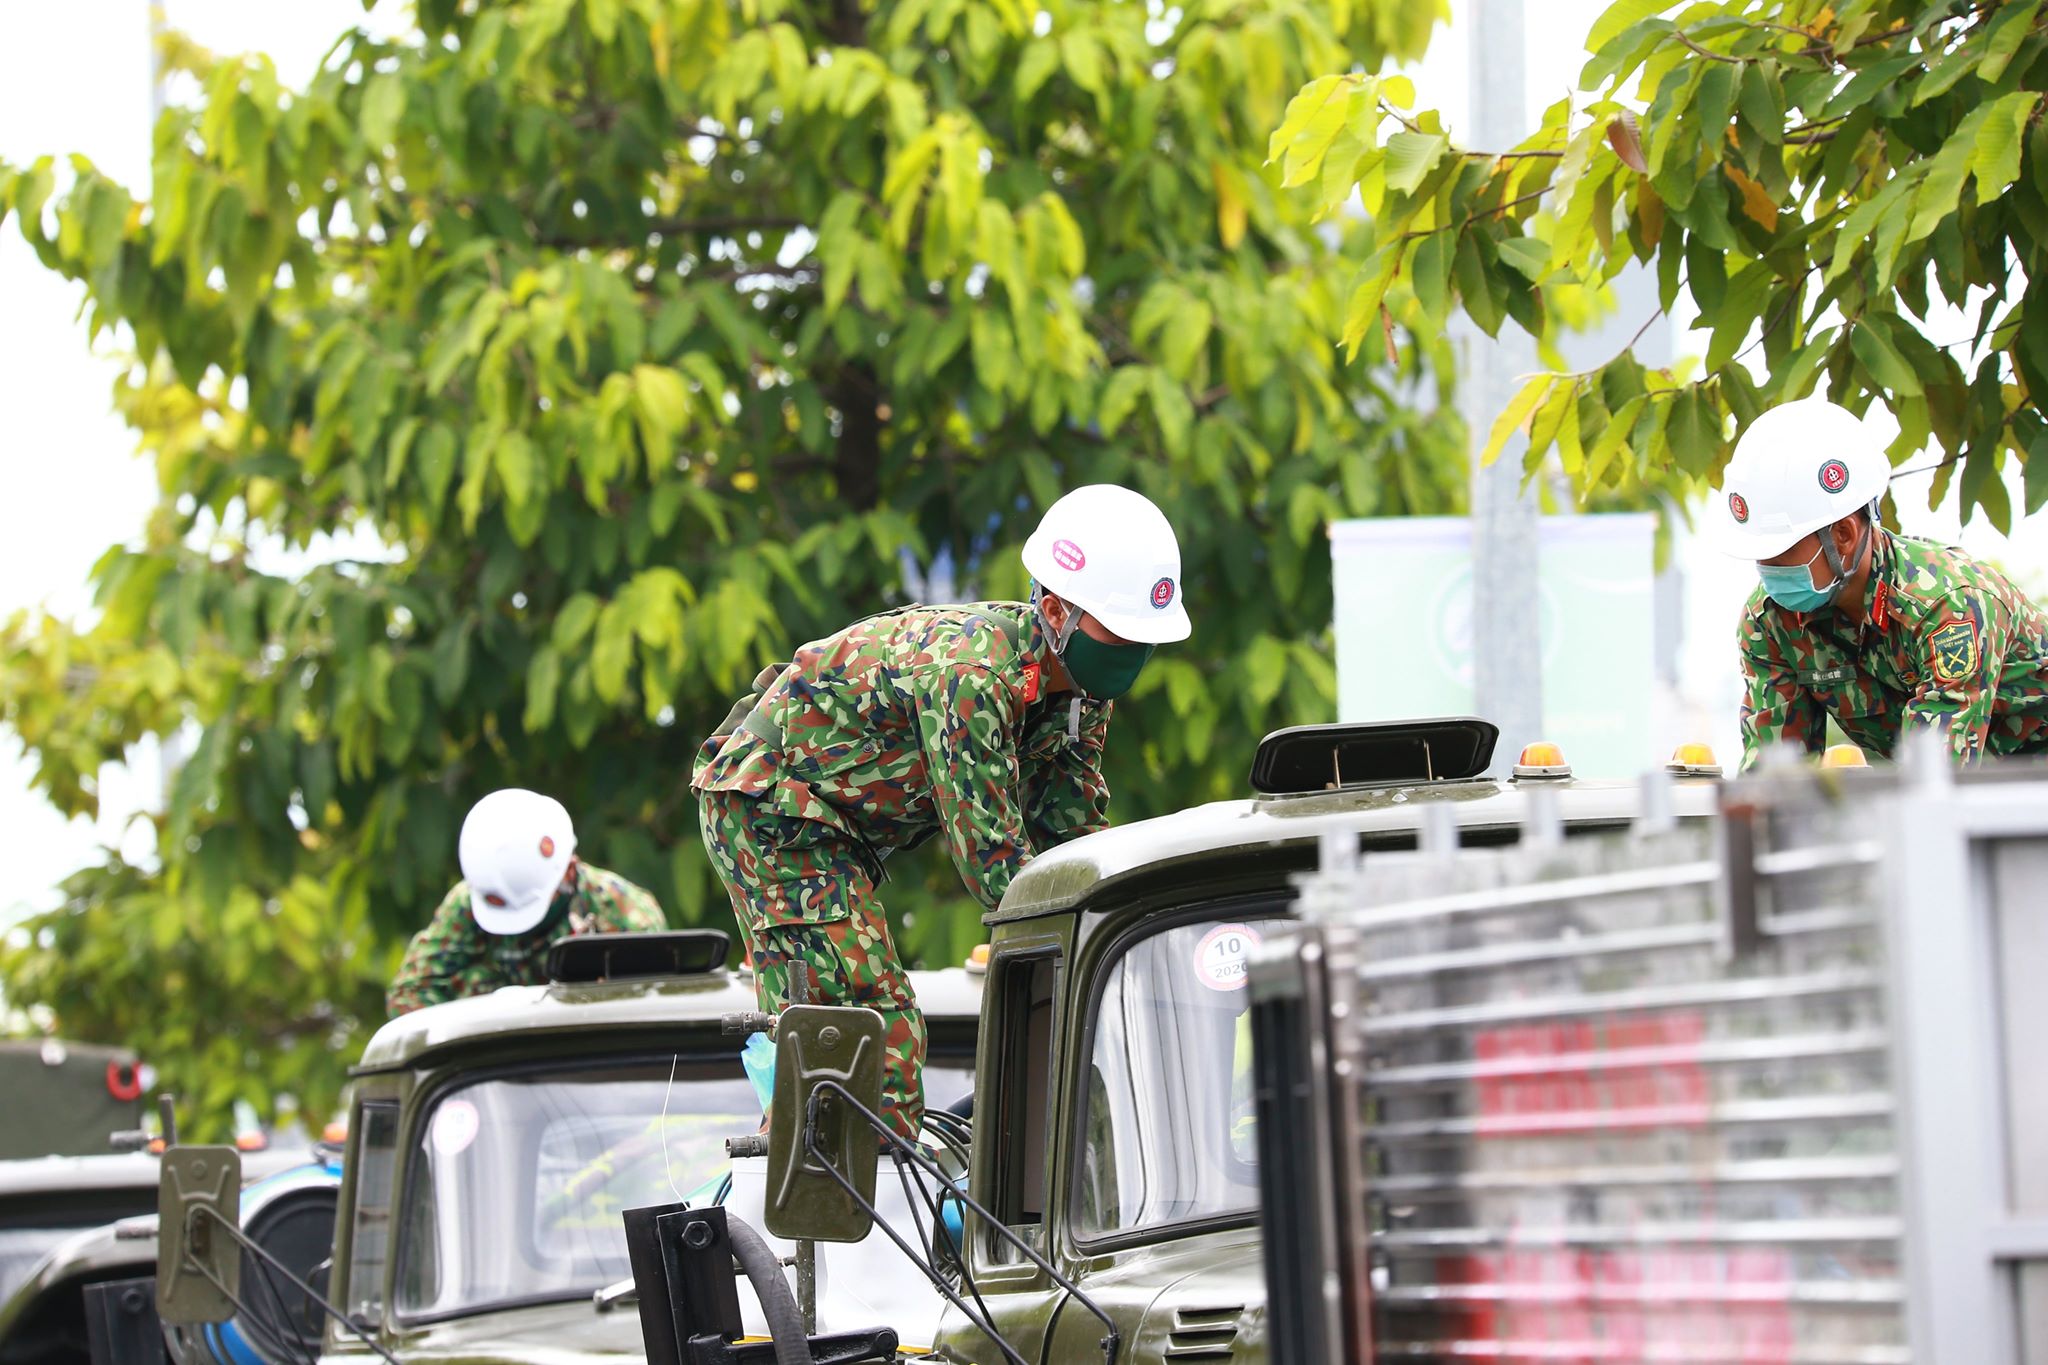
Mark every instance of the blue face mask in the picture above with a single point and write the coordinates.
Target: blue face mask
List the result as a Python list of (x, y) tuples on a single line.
[(1791, 585)]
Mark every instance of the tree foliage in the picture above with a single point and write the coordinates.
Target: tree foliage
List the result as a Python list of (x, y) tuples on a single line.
[(653, 337), (1815, 176)]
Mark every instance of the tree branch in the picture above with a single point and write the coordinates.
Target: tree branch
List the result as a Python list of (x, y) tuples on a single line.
[(718, 225)]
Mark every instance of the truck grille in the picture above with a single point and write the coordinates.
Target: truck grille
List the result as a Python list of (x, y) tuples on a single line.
[(1569, 1125)]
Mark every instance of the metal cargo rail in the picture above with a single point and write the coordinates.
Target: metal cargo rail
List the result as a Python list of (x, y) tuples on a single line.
[(1754, 1089)]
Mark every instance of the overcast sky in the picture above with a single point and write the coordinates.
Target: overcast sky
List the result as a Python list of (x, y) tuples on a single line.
[(76, 77)]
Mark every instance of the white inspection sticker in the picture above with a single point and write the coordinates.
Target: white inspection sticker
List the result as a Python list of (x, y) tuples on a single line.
[(1220, 957), (455, 1127)]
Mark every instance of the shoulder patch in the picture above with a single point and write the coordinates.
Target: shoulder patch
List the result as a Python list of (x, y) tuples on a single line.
[(1954, 649)]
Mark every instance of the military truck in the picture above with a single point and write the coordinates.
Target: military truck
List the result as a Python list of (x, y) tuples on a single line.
[(1753, 1090), (493, 1141), (65, 1098), (1114, 1155), (78, 1247)]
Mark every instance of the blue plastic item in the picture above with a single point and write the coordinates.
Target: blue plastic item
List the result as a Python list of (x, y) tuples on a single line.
[(758, 1057), (950, 1220)]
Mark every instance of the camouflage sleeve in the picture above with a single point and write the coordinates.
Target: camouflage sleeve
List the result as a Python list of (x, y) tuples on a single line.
[(442, 962), (639, 912), (1964, 652), (966, 714), (1776, 708), (1067, 796)]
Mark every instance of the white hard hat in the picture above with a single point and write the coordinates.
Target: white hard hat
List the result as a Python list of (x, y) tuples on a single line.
[(515, 848), (1110, 552), (1799, 467)]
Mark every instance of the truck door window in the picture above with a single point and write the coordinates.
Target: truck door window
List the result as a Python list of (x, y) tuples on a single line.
[(369, 1242), (1166, 1124), (1022, 1087)]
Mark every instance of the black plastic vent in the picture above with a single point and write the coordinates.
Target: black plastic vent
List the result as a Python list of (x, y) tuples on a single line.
[(1204, 1334), (1314, 758), (615, 957)]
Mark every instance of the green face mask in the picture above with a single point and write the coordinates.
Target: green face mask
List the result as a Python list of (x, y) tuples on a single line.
[(1102, 671)]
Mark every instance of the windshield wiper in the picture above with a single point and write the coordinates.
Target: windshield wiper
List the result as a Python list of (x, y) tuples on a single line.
[(612, 1295)]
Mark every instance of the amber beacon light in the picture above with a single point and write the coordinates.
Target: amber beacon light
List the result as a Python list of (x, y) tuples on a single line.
[(1694, 760), (1542, 760)]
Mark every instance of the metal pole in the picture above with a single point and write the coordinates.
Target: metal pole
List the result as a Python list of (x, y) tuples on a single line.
[(1507, 643), (806, 1250)]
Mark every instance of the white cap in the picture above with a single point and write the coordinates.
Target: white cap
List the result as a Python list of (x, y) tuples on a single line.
[(1799, 467), (515, 848), (1111, 552)]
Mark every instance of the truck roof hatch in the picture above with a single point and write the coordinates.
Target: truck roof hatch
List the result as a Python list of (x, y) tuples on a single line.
[(612, 957), (1314, 758)]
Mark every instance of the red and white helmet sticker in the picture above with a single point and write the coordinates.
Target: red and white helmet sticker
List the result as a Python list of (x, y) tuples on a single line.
[(1162, 594), (1738, 507), (1222, 957), (1834, 476)]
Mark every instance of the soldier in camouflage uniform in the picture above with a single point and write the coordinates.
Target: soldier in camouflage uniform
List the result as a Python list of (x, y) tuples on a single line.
[(982, 723), (524, 889), (1905, 632)]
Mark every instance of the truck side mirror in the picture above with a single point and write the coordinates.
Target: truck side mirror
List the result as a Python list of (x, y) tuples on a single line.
[(815, 1044), (199, 1266)]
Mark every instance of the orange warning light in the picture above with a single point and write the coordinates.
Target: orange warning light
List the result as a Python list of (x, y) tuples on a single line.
[(1694, 760), (1542, 759)]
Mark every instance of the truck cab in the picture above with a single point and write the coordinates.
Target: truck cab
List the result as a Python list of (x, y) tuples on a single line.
[(1114, 1132), (493, 1143)]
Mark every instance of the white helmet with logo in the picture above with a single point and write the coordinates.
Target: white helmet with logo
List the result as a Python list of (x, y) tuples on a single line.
[(515, 849), (1799, 467), (1110, 552)]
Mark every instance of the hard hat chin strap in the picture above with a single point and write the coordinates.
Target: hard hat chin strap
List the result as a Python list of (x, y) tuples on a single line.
[(1836, 565), (1062, 633)]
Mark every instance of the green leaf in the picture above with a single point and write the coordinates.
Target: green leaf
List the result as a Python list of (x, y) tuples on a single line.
[(383, 106), (1995, 160), (1513, 418), (1174, 412), (2009, 28), (1083, 57), (1363, 312), (1431, 274), (1119, 396), (435, 461), (1762, 101), (2035, 446), (1621, 16), (1184, 341), (1041, 58), (574, 620), (1411, 157), (1714, 105), (1475, 288), (1613, 440), (1882, 359), (1694, 430), (1314, 118), (1526, 256)]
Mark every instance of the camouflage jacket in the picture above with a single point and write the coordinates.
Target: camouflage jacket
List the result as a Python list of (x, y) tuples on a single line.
[(452, 957), (928, 719), (1948, 642)]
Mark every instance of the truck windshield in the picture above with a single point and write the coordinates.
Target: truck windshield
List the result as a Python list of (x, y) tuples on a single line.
[(516, 1186), (1167, 1133), (21, 1249)]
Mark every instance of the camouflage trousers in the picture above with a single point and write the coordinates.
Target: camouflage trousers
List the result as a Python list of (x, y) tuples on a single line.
[(803, 895)]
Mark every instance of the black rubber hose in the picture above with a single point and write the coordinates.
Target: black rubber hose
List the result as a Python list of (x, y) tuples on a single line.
[(778, 1303)]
